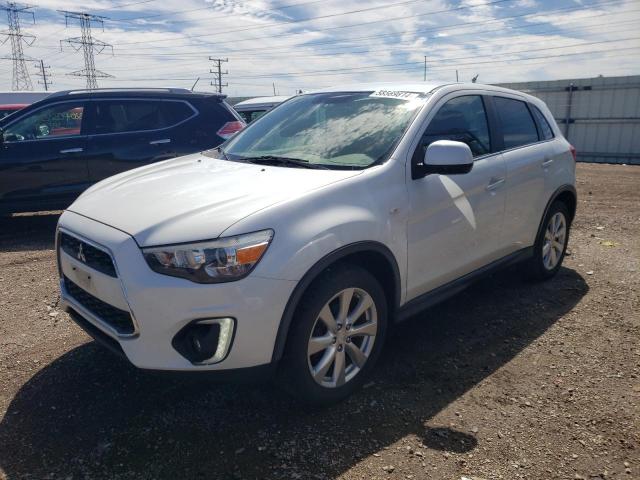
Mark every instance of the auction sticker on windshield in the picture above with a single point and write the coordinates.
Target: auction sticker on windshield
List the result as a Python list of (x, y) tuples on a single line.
[(395, 94)]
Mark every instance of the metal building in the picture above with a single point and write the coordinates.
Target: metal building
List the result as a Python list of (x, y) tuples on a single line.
[(22, 97), (599, 116)]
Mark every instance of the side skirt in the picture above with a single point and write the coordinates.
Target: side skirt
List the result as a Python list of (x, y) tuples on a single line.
[(443, 292)]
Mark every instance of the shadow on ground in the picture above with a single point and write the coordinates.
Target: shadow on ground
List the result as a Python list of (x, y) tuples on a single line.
[(91, 415), (28, 232)]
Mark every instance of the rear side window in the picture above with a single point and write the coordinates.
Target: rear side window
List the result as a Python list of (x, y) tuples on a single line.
[(462, 119), (516, 121), (545, 129), (119, 116), (251, 115), (176, 112)]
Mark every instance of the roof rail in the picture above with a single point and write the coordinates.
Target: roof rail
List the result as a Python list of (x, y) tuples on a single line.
[(120, 90)]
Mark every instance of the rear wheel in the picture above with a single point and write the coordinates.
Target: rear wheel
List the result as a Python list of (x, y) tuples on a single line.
[(551, 244), (337, 336)]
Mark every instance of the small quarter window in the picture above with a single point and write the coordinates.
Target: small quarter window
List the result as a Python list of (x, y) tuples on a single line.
[(546, 133), (516, 121)]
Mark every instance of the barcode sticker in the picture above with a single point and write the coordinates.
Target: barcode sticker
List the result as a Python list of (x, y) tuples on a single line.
[(395, 94)]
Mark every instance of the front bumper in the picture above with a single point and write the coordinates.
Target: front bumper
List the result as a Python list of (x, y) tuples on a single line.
[(160, 306)]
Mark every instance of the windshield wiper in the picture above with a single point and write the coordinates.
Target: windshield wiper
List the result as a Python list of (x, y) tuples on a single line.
[(274, 159)]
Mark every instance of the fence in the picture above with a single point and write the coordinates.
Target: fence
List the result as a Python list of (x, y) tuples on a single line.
[(599, 116)]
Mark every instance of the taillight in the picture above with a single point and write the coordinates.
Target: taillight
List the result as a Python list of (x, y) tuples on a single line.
[(573, 152), (230, 128)]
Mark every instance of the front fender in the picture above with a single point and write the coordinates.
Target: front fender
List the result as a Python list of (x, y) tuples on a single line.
[(364, 213), (370, 207)]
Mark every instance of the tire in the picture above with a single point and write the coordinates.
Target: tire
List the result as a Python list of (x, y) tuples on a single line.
[(320, 305), (547, 254)]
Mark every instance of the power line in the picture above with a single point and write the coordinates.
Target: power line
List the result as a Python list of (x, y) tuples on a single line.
[(435, 63), (124, 5), (272, 49), (320, 17), (350, 69), (367, 39), (477, 54), (89, 45), (415, 49), (444, 60), (218, 73), (21, 79), (277, 50), (418, 65), (612, 52)]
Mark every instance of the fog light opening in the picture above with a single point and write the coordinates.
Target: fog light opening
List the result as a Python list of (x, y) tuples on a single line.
[(206, 341)]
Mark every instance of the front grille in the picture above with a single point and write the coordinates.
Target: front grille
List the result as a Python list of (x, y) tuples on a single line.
[(88, 254), (97, 334), (119, 320)]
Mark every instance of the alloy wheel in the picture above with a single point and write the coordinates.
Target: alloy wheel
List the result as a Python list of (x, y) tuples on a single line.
[(555, 237), (342, 337)]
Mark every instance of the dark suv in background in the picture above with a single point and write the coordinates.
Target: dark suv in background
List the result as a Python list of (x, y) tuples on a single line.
[(54, 149)]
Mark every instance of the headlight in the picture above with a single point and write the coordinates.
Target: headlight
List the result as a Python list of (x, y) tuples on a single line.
[(215, 261)]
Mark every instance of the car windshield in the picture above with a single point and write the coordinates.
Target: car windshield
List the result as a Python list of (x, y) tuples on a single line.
[(332, 130)]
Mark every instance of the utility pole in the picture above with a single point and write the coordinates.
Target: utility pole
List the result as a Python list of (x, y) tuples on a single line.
[(90, 46), (43, 73), (218, 73), (457, 76), (21, 79), (425, 68), (274, 89)]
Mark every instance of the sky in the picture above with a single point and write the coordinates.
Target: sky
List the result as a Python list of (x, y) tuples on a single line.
[(283, 46)]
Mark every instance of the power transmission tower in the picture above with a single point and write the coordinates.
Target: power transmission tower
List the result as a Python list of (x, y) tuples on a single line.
[(21, 79), (43, 73), (90, 46), (218, 73)]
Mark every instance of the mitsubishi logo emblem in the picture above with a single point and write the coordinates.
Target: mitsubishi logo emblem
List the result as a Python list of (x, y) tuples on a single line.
[(80, 256)]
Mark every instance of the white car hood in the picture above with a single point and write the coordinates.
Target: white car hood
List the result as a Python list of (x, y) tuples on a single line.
[(194, 197)]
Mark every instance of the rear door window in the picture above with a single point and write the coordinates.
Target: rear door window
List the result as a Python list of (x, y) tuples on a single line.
[(120, 116), (546, 133), (516, 121), (462, 119)]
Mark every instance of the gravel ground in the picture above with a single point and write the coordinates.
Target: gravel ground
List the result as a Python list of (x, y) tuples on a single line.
[(506, 380)]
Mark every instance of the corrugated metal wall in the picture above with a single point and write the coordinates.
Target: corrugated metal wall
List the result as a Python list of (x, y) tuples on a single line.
[(599, 116)]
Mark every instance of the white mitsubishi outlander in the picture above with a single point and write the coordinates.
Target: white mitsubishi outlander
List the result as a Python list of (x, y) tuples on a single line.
[(298, 242)]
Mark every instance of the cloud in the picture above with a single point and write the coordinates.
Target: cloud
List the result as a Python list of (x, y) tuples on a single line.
[(168, 43)]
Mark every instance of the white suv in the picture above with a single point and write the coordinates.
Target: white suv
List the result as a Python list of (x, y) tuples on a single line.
[(298, 242)]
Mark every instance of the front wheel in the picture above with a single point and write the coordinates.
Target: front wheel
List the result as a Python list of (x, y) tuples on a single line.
[(551, 244), (336, 337)]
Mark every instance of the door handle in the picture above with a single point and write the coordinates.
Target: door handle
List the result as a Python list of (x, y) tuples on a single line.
[(158, 142), (547, 162), (494, 183), (72, 150)]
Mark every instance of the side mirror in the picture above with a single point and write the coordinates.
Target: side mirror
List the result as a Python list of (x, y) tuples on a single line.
[(447, 158)]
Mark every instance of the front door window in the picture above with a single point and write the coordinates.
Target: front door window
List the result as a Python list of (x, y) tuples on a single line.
[(61, 120)]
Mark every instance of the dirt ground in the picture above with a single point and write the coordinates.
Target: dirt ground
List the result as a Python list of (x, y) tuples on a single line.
[(506, 380)]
